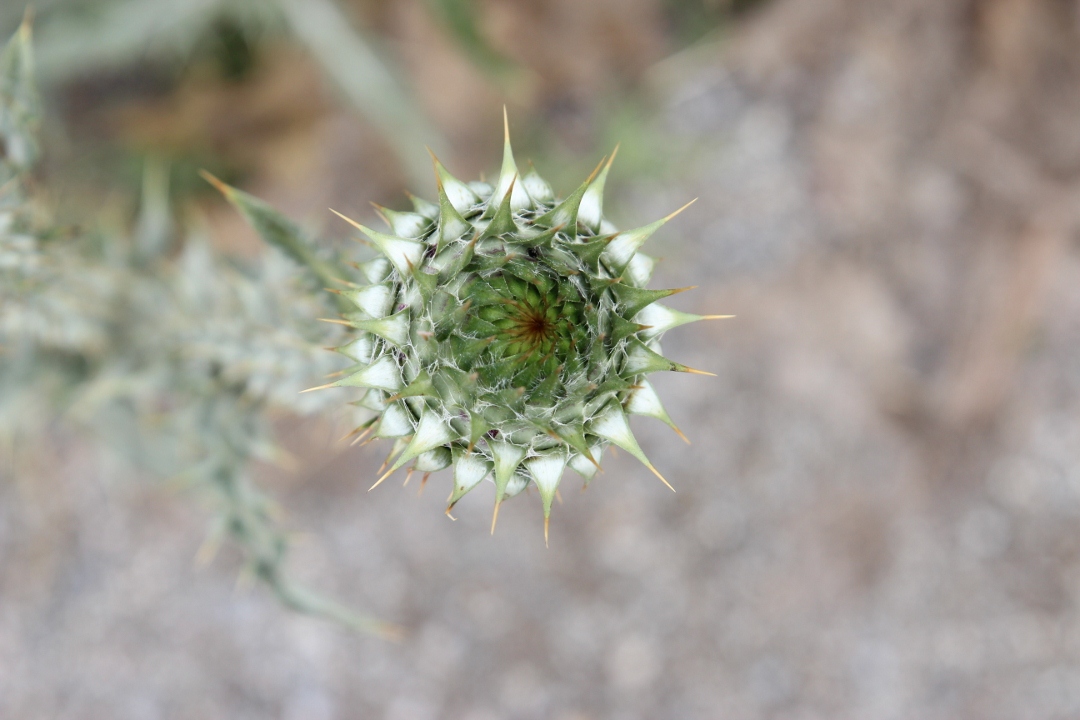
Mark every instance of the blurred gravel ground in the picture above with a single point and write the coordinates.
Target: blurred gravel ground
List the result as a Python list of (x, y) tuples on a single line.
[(877, 518)]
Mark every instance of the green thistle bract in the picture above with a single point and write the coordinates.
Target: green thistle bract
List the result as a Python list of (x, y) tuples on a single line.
[(508, 333)]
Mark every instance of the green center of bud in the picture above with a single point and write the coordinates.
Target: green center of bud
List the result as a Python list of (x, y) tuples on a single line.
[(533, 322), (530, 330)]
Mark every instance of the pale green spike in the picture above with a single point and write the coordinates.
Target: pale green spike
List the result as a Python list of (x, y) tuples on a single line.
[(469, 470), (591, 211), (461, 196), (517, 483), (537, 187), (587, 469), (403, 254), (376, 270), (418, 386), (423, 207), (640, 269), (404, 224), (478, 427), (503, 221), (394, 328), (633, 300), (660, 319), (399, 445), (643, 400), (619, 251), (611, 425), (547, 472), (566, 212), (532, 238), (382, 374), (374, 300), (482, 189), (434, 460), (641, 359), (359, 349), (20, 105), (519, 198), (451, 223), (573, 436), (507, 456), (373, 400), (396, 421), (431, 432)]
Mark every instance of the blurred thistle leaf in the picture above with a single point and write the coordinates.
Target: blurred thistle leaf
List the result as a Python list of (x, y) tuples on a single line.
[(19, 105), (462, 19), (278, 231), (175, 362), (366, 81), (77, 37), (154, 227)]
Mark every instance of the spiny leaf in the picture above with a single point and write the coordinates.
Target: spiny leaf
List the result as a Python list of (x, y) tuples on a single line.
[(423, 207), (507, 457), (279, 231), (431, 432), (469, 470), (547, 471), (383, 374), (460, 195), (641, 360), (612, 426), (643, 400), (503, 222), (451, 223), (19, 104), (660, 319), (519, 198), (395, 421), (633, 300), (566, 212), (591, 211), (403, 254), (622, 248), (410, 225), (537, 187), (394, 328)]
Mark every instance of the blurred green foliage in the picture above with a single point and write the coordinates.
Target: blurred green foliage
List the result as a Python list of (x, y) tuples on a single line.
[(152, 345), (694, 20), (78, 37), (463, 21)]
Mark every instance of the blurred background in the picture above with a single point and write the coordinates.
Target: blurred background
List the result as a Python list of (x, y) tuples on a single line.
[(878, 517)]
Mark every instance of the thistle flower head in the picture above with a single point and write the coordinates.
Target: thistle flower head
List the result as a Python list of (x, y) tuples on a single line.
[(507, 333)]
